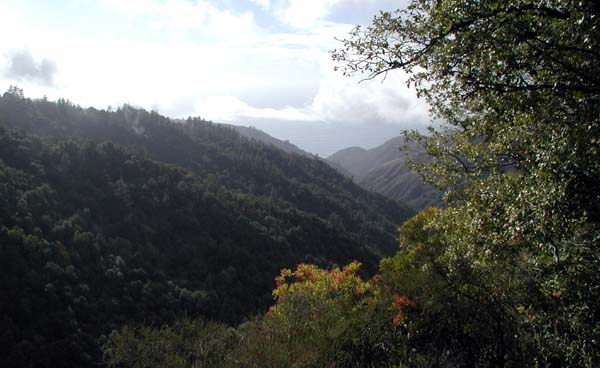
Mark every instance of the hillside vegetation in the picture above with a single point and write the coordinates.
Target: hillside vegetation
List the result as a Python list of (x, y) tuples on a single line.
[(386, 170), (506, 275), (112, 218)]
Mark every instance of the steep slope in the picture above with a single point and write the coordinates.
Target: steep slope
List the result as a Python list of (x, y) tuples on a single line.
[(359, 161), (396, 180), (384, 170), (93, 236), (221, 155), (353, 159), (190, 219)]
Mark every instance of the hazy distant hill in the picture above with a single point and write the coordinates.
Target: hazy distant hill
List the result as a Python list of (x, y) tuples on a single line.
[(360, 161), (384, 169), (395, 180)]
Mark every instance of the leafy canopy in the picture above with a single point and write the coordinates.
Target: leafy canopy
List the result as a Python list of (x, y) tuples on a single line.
[(517, 85)]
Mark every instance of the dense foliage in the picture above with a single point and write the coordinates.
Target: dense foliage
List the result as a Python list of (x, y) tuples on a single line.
[(507, 274), (219, 154), (321, 318), (517, 83), (94, 236)]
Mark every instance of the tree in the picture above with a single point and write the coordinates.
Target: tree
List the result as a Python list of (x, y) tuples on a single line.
[(188, 343), (321, 318), (15, 91), (517, 84)]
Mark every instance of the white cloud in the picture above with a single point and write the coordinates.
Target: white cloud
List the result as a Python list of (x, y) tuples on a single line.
[(339, 100), (305, 13), (265, 4), (12, 24), (233, 28), (209, 21), (23, 66), (171, 13), (345, 100), (230, 109), (102, 70), (219, 64)]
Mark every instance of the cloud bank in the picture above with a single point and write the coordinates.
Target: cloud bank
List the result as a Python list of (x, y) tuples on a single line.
[(23, 66), (231, 61)]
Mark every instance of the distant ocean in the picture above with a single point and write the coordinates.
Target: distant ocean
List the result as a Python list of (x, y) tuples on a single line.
[(325, 139)]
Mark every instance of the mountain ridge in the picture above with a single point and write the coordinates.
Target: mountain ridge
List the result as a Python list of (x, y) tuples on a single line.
[(259, 135), (384, 169), (125, 216)]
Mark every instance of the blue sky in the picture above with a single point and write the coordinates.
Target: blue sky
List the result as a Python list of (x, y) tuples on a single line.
[(255, 62)]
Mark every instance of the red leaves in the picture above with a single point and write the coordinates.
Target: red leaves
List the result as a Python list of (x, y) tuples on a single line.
[(337, 275), (314, 286), (401, 303), (270, 311), (278, 281), (351, 268), (359, 292), (398, 318), (304, 272)]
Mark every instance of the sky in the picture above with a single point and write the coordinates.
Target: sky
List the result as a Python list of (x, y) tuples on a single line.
[(263, 63)]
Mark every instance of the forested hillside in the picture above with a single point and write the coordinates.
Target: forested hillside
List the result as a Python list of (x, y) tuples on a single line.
[(220, 154), (386, 169), (129, 240), (95, 235), (506, 274), (395, 179)]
